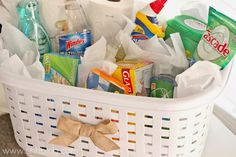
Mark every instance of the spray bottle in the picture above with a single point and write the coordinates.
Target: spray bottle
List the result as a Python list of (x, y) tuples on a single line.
[(147, 22), (30, 24)]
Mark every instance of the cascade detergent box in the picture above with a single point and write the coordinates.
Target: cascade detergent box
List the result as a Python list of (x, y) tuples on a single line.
[(61, 69), (136, 75)]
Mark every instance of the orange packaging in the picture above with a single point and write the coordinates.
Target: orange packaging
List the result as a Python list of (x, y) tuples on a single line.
[(136, 75), (99, 80)]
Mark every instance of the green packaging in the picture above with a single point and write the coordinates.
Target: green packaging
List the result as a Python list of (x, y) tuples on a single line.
[(218, 43), (190, 29), (61, 69)]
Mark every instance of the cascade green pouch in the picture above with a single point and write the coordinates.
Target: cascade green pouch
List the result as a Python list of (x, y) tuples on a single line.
[(190, 30), (218, 43), (61, 69)]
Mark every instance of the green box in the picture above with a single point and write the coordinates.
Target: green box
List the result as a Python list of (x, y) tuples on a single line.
[(61, 69)]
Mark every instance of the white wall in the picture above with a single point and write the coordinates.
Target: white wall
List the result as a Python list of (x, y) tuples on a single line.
[(226, 6)]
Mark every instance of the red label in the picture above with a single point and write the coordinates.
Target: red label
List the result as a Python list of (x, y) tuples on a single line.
[(221, 48), (72, 43), (127, 80)]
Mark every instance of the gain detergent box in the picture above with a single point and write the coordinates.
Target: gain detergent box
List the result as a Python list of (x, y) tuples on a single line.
[(60, 69), (136, 75)]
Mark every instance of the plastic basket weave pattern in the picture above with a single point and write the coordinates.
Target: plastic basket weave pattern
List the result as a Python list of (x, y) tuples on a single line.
[(147, 127)]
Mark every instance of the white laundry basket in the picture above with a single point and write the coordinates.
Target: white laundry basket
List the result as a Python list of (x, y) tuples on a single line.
[(148, 127)]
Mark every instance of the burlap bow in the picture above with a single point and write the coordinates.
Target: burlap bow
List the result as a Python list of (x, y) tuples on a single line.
[(73, 129)]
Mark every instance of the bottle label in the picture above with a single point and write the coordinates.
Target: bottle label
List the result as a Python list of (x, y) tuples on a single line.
[(75, 44), (163, 87), (147, 27)]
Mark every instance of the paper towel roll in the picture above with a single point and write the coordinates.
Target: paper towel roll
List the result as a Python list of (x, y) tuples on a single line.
[(106, 17), (122, 6)]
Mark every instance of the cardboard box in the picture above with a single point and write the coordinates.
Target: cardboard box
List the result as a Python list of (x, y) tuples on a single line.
[(61, 69), (136, 75)]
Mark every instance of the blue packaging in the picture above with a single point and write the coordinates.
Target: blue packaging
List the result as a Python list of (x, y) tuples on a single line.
[(75, 44)]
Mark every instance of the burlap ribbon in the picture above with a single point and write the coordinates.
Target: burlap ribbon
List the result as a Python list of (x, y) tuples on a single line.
[(73, 129)]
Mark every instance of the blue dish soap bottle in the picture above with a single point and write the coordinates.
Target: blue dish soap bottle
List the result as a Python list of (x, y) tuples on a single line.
[(30, 24)]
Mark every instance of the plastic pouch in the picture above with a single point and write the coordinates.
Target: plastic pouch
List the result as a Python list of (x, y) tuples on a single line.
[(218, 43)]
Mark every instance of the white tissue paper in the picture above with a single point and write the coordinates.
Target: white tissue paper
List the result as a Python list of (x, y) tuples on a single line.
[(201, 76), (129, 27), (9, 14), (18, 44), (52, 12), (33, 65), (195, 9), (96, 52), (95, 56), (16, 66), (154, 45), (115, 45), (109, 67), (168, 59), (104, 15), (5, 15), (15, 41), (134, 52), (1, 43), (179, 60), (4, 55)]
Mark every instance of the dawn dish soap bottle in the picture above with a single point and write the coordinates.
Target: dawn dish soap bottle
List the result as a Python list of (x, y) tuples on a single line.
[(30, 24), (77, 35)]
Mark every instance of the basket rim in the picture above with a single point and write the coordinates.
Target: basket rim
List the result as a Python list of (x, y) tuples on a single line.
[(58, 90)]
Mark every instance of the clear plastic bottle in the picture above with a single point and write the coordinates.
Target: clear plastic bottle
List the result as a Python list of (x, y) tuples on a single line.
[(76, 16), (77, 37), (30, 24)]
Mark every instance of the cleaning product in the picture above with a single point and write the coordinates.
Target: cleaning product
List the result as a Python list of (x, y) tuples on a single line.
[(218, 43), (147, 22), (190, 30), (78, 36), (61, 69), (30, 24), (136, 75), (163, 86), (99, 80), (163, 83)]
